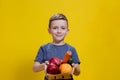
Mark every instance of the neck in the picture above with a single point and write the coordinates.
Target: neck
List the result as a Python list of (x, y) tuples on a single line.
[(58, 43)]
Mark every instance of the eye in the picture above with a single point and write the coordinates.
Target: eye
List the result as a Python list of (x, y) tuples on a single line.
[(54, 28), (63, 28)]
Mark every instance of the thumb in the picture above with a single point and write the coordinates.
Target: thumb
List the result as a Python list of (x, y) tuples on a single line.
[(73, 64), (46, 62)]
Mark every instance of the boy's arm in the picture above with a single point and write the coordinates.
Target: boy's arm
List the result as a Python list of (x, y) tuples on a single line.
[(38, 66), (76, 69)]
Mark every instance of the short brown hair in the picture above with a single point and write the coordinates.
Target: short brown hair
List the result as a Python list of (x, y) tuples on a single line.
[(57, 16)]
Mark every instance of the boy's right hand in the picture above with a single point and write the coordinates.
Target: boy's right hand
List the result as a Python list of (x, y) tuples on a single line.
[(37, 66)]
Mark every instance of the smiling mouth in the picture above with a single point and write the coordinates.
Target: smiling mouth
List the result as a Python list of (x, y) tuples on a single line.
[(59, 35)]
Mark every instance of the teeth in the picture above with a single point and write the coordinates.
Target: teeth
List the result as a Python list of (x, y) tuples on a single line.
[(59, 36)]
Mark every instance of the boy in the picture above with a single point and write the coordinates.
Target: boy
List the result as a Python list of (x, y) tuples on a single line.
[(58, 28)]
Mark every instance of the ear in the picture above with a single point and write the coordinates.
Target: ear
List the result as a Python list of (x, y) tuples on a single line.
[(49, 31), (68, 30)]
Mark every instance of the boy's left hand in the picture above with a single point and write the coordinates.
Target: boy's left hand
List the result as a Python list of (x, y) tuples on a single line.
[(76, 69)]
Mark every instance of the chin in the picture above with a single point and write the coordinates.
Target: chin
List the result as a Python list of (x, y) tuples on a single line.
[(59, 40)]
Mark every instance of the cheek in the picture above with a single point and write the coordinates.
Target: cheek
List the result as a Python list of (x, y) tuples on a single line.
[(65, 32), (52, 32)]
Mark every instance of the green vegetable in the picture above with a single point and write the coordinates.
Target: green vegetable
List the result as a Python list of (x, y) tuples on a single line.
[(70, 61)]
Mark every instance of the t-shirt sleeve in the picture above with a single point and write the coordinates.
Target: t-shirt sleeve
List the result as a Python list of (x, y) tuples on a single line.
[(40, 55), (75, 56)]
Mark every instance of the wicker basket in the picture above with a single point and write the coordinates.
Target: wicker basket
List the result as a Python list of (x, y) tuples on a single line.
[(59, 76)]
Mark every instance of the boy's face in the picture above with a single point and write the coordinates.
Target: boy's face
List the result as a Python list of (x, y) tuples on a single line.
[(58, 29)]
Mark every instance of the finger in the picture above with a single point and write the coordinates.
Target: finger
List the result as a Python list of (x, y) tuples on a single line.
[(45, 68), (46, 62), (72, 70), (73, 64)]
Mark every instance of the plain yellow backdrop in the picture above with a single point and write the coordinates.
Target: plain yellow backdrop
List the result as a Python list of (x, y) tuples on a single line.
[(94, 31)]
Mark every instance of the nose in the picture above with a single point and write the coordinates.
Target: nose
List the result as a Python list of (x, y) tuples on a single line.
[(59, 30)]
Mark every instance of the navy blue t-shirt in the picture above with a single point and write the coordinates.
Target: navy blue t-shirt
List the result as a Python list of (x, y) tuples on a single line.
[(50, 50)]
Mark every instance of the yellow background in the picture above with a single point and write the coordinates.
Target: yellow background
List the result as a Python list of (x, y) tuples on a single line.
[(94, 31)]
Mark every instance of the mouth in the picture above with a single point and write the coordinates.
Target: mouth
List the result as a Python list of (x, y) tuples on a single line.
[(59, 35)]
